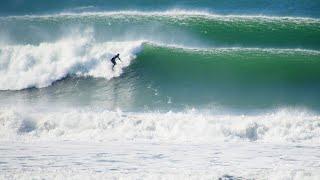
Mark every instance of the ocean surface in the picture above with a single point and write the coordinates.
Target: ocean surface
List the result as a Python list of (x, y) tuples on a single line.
[(204, 90)]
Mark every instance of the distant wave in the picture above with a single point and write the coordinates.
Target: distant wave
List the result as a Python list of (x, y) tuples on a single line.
[(173, 12), (190, 28)]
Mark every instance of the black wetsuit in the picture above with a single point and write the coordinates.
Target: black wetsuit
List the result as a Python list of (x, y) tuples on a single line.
[(113, 60)]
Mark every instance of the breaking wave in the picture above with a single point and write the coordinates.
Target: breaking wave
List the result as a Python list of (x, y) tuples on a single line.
[(283, 125), (25, 66)]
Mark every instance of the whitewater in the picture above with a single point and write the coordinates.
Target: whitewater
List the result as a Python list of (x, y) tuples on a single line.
[(25, 66), (199, 93)]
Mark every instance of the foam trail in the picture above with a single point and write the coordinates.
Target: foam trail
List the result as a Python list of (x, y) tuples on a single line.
[(24, 66)]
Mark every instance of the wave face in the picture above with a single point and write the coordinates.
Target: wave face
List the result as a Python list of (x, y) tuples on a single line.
[(229, 76)]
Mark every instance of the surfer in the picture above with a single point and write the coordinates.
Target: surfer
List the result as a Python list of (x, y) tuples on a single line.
[(113, 60)]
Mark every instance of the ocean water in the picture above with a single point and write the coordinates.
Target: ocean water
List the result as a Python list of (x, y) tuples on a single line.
[(204, 89)]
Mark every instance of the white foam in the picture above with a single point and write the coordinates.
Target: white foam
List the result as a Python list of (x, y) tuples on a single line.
[(171, 13), (23, 66), (101, 125)]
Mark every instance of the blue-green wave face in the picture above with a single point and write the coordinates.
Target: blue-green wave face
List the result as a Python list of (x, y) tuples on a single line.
[(237, 77)]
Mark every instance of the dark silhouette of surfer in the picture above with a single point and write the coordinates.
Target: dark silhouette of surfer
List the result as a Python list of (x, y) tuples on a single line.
[(113, 60)]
